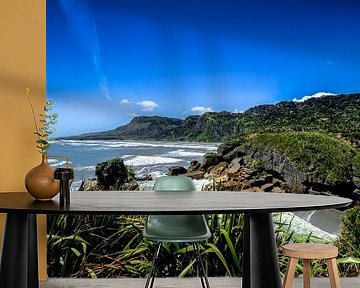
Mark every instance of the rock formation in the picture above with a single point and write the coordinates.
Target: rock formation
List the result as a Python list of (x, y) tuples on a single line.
[(246, 168), (111, 175)]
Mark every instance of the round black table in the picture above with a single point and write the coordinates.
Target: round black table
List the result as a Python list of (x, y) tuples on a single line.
[(18, 268)]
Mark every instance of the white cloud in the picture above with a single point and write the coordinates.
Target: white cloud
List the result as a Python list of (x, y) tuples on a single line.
[(147, 105), (238, 111), (316, 95), (201, 109), (104, 87), (124, 101)]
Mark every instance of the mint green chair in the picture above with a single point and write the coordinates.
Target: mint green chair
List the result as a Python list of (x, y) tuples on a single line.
[(176, 228)]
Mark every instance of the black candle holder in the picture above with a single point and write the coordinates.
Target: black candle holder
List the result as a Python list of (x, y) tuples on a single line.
[(65, 175)]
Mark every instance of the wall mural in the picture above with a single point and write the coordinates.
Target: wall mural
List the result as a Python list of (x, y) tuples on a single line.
[(240, 95)]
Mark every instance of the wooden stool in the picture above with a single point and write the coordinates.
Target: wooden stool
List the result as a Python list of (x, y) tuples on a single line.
[(309, 251)]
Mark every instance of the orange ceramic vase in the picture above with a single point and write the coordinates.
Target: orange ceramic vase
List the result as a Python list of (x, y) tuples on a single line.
[(40, 183)]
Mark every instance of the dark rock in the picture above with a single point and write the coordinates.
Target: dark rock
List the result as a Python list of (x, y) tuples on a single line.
[(194, 165), (217, 170), (177, 170), (89, 185), (258, 182), (225, 148), (113, 174), (198, 174), (277, 182), (146, 177), (234, 167), (210, 159), (268, 178), (235, 153), (275, 161), (277, 190), (267, 187)]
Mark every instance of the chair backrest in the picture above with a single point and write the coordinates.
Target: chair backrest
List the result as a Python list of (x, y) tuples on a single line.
[(176, 228), (174, 183)]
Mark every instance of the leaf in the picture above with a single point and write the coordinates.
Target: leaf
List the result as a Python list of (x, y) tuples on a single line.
[(348, 260), (231, 247), (47, 107), (50, 102), (214, 249), (41, 141), (76, 252), (186, 269), (91, 272)]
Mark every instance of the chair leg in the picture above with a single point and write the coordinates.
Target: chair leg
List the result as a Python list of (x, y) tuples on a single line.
[(333, 273), (203, 277), (290, 271), (150, 279), (306, 273)]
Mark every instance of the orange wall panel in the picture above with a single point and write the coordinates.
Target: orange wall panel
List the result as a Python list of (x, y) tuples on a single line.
[(22, 64)]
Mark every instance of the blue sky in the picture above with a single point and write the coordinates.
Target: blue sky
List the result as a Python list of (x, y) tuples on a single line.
[(110, 60)]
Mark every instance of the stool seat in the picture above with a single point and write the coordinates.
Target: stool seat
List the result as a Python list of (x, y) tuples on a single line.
[(307, 252), (310, 250)]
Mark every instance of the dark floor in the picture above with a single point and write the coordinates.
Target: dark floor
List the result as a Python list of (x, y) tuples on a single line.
[(215, 282)]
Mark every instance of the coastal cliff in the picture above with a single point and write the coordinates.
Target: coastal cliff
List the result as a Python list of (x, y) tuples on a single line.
[(302, 162)]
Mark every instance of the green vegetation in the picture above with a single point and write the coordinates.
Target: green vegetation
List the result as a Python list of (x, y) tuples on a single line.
[(113, 246), (95, 246), (338, 115), (113, 174), (322, 156), (203, 137), (349, 243), (356, 161), (47, 121)]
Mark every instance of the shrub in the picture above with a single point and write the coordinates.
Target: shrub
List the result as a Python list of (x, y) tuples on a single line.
[(349, 243), (330, 159)]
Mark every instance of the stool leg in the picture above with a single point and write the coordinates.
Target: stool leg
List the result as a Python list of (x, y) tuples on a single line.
[(333, 273), (306, 273), (290, 271)]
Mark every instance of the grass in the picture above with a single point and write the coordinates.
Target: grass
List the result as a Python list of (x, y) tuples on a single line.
[(349, 243)]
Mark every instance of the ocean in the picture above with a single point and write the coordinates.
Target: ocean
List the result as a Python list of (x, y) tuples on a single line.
[(155, 158), (145, 158)]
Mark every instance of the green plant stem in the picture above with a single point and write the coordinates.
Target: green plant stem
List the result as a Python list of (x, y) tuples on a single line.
[(34, 117)]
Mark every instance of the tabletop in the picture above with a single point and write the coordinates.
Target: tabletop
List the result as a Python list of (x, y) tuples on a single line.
[(169, 202)]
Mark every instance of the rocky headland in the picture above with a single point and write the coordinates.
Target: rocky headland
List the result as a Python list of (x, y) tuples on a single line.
[(323, 165), (246, 166)]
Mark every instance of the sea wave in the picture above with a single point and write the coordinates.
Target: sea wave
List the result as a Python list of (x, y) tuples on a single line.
[(85, 168), (60, 163), (183, 153), (301, 227), (117, 144), (151, 160)]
